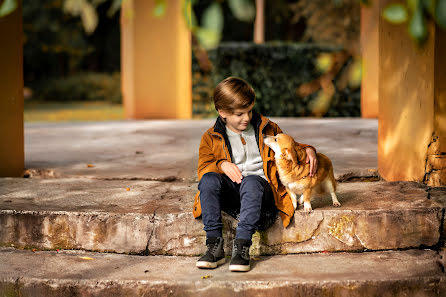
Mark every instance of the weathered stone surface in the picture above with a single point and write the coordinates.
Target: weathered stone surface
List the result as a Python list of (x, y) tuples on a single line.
[(168, 149), (152, 217), (74, 273), (155, 218), (373, 216)]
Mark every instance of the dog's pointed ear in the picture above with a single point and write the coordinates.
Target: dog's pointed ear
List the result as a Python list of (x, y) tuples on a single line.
[(292, 155)]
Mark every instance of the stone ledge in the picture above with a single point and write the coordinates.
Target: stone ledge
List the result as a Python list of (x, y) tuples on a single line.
[(390, 273), (155, 218)]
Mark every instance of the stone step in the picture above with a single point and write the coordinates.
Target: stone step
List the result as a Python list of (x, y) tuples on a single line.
[(152, 217), (78, 273)]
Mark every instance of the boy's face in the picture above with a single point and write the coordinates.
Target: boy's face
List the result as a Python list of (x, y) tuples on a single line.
[(239, 119)]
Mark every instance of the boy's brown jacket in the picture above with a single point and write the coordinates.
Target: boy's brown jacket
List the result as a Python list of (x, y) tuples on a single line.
[(215, 148)]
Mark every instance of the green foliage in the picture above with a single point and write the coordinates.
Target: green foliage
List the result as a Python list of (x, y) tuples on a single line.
[(54, 43), (365, 2), (243, 10), (41, 111), (213, 17), (160, 8), (395, 13), (417, 26), (189, 15), (210, 31), (429, 5), (7, 7), (80, 87), (440, 13), (209, 34), (418, 13), (85, 10), (276, 70)]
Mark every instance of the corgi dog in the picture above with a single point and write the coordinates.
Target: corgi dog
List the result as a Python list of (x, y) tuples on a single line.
[(294, 172)]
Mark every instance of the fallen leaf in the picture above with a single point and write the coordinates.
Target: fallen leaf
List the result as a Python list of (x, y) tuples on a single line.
[(90, 165), (33, 250), (86, 258), (206, 276), (128, 189)]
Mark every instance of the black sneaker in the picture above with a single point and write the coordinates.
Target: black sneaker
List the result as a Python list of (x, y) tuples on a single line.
[(240, 255), (215, 254)]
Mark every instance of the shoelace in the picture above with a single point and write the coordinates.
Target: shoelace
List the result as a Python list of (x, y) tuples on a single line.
[(242, 250), (212, 249)]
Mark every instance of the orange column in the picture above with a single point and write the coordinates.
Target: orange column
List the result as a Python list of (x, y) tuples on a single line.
[(156, 61), (11, 95), (370, 60), (412, 111)]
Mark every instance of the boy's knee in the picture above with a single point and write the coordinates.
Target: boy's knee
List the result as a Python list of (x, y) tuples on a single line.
[(210, 180), (252, 181), (252, 184)]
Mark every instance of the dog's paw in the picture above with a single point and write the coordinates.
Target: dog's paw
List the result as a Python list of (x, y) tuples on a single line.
[(337, 204), (307, 207)]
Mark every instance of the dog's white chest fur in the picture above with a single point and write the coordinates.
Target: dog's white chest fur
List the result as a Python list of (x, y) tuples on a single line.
[(290, 184), (294, 186)]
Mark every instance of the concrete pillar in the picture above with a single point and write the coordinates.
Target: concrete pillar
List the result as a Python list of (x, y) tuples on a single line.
[(12, 154), (156, 61), (412, 111), (370, 60)]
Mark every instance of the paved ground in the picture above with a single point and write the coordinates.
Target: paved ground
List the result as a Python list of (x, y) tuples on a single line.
[(71, 273), (157, 150), (90, 208)]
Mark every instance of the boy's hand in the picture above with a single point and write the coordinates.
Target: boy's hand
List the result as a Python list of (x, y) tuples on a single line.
[(232, 171), (312, 159)]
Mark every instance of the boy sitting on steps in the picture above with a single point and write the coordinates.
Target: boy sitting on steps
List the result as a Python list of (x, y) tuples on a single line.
[(237, 174)]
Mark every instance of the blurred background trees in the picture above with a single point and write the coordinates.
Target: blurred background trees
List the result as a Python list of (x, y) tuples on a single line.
[(58, 51), (72, 49)]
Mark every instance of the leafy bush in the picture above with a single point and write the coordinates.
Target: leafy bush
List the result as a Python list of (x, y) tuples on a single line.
[(276, 70), (88, 86)]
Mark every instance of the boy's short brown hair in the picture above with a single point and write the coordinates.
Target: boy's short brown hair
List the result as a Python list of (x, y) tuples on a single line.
[(233, 93)]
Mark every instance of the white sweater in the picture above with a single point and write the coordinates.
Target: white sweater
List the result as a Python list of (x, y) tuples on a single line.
[(246, 157)]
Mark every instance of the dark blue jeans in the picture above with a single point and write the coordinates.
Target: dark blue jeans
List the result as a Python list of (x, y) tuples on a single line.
[(252, 200)]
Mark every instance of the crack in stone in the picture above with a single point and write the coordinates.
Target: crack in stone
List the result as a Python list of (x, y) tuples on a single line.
[(316, 232), (352, 177), (152, 220), (360, 241)]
